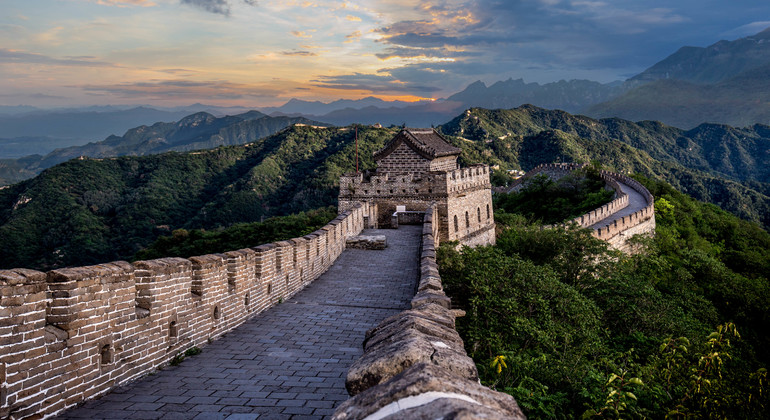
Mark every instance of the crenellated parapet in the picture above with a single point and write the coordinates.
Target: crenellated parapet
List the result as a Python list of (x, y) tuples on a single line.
[(74, 333), (415, 169), (414, 363), (463, 198), (640, 221)]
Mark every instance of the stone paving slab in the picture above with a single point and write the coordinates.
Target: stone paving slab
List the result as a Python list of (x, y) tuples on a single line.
[(288, 362)]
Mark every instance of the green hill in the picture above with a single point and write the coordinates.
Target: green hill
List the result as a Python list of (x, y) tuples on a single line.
[(88, 211), (713, 163), (197, 131)]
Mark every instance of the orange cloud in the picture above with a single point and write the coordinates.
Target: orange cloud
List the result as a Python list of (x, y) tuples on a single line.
[(353, 18), (301, 34)]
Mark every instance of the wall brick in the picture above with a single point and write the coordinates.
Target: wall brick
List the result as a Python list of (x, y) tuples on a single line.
[(74, 333)]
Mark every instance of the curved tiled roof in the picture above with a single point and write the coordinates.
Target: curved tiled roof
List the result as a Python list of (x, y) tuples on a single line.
[(425, 141)]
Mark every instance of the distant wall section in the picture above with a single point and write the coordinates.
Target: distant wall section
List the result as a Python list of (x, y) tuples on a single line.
[(641, 221)]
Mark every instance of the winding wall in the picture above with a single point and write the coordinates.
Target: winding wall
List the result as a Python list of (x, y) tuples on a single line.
[(74, 333), (619, 230)]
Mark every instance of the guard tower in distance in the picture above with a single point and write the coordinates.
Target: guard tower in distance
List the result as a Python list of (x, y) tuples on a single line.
[(416, 168)]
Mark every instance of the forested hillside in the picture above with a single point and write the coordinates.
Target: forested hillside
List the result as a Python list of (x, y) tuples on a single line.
[(713, 163), (196, 131), (573, 329), (88, 211), (94, 210)]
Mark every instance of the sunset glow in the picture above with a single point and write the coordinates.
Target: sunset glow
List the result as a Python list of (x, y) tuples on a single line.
[(263, 52)]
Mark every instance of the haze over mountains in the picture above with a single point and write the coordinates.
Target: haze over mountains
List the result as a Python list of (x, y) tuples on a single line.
[(197, 131), (726, 82)]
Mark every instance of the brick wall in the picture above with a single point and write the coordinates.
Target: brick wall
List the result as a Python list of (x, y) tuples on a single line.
[(403, 160), (454, 193), (74, 333), (640, 222), (414, 363)]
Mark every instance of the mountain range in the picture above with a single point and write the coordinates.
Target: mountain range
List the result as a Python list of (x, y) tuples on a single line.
[(726, 83), (197, 131), (89, 210)]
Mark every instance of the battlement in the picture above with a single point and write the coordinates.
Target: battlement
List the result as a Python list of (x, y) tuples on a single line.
[(639, 222), (467, 179), (378, 185), (74, 333), (417, 355)]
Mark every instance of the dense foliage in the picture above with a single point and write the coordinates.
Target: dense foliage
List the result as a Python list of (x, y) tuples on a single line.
[(572, 328), (184, 243), (89, 211), (553, 201)]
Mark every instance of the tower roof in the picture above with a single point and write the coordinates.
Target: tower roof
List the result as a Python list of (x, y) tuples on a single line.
[(425, 141)]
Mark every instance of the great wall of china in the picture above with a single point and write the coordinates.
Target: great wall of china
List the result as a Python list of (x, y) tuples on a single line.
[(636, 214), (73, 334)]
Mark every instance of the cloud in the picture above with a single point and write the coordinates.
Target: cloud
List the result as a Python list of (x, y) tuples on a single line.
[(31, 96), (409, 52), (15, 56), (300, 53), (384, 83), (353, 18), (747, 29), (221, 7), (301, 34), (186, 89)]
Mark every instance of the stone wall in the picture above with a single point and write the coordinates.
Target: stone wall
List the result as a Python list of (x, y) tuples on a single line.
[(403, 160), (640, 222), (74, 333), (414, 363), (553, 170), (618, 203), (456, 192)]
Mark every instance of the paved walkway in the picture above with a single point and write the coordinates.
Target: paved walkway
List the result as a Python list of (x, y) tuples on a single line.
[(636, 202), (288, 362)]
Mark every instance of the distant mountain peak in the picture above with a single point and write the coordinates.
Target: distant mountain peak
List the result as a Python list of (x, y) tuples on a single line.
[(717, 62), (195, 119)]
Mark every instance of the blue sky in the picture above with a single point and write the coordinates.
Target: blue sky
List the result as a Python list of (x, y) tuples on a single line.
[(259, 52)]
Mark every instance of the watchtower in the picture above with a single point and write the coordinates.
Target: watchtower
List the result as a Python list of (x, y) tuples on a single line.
[(416, 168)]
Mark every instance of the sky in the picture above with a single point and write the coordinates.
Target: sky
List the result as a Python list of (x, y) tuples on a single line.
[(256, 53)]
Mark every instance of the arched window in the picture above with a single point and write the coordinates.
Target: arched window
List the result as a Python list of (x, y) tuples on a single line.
[(467, 220), (456, 227), (478, 214)]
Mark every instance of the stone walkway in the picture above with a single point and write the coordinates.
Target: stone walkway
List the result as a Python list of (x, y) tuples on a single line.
[(288, 362), (636, 202)]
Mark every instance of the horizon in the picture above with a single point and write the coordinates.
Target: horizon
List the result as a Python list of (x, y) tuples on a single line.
[(260, 54)]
